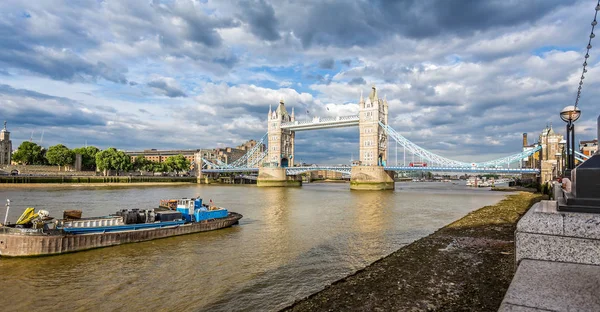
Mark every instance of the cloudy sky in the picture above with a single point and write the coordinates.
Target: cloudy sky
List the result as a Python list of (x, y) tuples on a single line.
[(464, 78)]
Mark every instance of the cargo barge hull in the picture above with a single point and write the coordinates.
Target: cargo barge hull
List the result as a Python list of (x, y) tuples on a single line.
[(27, 244)]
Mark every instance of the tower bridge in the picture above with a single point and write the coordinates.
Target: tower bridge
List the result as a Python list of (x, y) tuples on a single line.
[(275, 166)]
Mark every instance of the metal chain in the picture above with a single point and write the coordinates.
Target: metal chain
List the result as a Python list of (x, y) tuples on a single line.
[(587, 54)]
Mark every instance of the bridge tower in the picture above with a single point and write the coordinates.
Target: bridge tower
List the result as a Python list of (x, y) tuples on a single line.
[(281, 151), (370, 173)]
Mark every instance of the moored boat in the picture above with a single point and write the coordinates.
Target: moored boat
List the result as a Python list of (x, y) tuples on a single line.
[(37, 234)]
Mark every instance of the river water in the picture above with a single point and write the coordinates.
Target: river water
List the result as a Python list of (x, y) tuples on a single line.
[(290, 243)]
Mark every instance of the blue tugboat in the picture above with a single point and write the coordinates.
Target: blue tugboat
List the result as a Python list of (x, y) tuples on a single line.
[(38, 234)]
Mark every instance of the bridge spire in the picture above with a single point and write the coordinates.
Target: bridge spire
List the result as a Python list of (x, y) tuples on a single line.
[(373, 95), (361, 103)]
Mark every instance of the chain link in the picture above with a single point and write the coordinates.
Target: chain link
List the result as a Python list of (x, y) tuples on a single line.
[(587, 54)]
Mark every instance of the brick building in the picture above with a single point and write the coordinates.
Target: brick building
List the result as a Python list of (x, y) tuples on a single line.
[(588, 147)]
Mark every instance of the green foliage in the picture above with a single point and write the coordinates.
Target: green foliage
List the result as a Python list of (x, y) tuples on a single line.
[(160, 167), (141, 163), (60, 155), (491, 175), (121, 162), (111, 159), (103, 159), (178, 163), (546, 189), (88, 157), (30, 153)]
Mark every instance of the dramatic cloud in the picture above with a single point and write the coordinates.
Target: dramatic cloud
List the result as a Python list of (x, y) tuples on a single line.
[(464, 78), (326, 64), (357, 81), (166, 86), (260, 15), (29, 108)]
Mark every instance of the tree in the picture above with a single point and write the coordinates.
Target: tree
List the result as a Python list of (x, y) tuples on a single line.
[(160, 167), (60, 155), (103, 159), (29, 153), (121, 162), (141, 163), (111, 159), (178, 163), (88, 157)]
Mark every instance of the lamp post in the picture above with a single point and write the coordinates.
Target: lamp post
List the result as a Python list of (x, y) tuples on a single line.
[(558, 156), (570, 114), (562, 155)]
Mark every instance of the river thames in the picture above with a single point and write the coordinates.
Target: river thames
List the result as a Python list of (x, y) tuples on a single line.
[(291, 242)]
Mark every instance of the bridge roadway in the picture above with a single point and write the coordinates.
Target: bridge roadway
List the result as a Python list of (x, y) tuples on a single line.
[(346, 169)]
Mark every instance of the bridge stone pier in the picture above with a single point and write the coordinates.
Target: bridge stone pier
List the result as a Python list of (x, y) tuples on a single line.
[(369, 174), (276, 177)]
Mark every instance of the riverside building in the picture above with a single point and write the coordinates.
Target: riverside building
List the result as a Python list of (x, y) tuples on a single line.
[(5, 147)]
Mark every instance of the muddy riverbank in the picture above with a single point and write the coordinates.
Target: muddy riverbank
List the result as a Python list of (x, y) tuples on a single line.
[(465, 266)]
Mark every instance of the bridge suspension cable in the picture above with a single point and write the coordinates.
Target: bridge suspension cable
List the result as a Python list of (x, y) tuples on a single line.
[(250, 159), (243, 161), (421, 152), (446, 162)]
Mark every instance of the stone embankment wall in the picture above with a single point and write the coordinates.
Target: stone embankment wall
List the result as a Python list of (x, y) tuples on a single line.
[(92, 179), (45, 170)]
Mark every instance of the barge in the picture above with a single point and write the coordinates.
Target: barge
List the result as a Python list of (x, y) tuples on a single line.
[(38, 234)]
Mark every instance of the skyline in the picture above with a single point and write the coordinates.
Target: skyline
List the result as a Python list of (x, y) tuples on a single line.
[(200, 74)]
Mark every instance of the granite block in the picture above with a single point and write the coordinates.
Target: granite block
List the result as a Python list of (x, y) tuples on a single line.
[(553, 286), (507, 307), (556, 248), (584, 225), (542, 218)]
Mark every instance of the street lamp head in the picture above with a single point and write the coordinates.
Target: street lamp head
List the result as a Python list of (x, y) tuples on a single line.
[(562, 142), (570, 113)]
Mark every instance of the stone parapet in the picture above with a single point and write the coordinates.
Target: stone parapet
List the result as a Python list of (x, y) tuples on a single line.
[(545, 233), (371, 178)]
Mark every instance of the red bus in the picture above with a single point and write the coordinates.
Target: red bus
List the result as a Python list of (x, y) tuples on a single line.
[(417, 164)]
